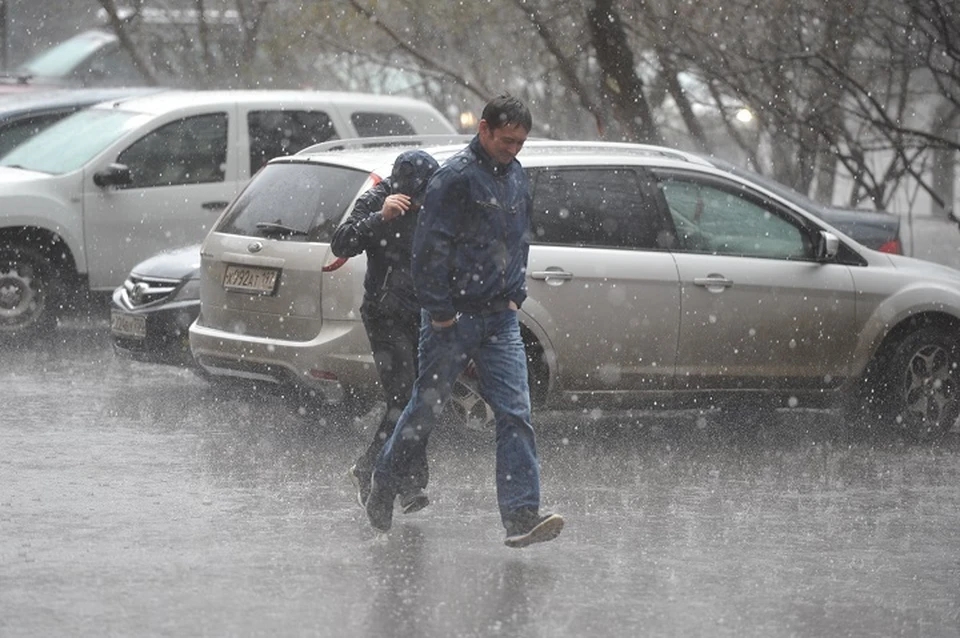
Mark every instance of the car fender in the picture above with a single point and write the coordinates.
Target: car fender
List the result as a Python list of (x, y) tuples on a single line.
[(45, 202), (532, 313), (911, 301)]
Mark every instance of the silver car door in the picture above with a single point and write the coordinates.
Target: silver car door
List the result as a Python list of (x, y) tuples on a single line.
[(758, 311), (608, 299)]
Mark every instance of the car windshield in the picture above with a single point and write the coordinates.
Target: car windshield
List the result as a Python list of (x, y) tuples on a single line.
[(60, 60), (294, 201), (72, 142)]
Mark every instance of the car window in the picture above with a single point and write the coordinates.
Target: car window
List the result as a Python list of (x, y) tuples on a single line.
[(188, 151), (279, 133), (723, 219), (381, 124), (603, 207), (294, 201), (15, 132)]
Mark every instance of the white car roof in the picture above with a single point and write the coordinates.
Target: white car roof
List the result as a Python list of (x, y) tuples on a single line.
[(173, 100)]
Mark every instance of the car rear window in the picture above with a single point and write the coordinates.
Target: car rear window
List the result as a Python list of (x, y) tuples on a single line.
[(294, 201)]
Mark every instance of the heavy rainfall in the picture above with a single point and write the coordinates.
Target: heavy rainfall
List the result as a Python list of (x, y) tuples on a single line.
[(741, 323)]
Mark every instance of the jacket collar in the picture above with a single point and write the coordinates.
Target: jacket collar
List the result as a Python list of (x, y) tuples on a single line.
[(485, 160)]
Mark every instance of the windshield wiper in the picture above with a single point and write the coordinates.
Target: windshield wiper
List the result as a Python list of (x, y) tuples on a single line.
[(276, 228)]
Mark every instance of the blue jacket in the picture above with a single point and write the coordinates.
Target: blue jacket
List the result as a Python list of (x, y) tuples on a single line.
[(471, 243)]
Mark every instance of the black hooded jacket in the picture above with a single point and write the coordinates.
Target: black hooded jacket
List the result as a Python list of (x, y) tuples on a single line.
[(388, 284)]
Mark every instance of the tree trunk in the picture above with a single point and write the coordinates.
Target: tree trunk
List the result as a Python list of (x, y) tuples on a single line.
[(619, 80)]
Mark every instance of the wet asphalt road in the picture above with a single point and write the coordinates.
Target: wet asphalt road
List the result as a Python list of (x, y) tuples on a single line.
[(136, 501)]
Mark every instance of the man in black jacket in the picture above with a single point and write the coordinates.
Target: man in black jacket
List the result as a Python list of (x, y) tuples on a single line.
[(469, 263), (382, 224)]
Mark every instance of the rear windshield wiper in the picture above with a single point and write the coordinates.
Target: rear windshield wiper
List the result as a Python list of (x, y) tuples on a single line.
[(274, 228)]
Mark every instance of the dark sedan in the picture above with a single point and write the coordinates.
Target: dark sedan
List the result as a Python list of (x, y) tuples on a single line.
[(153, 309)]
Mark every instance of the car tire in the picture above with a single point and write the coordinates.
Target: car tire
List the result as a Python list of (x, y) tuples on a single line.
[(28, 292), (466, 406), (918, 388)]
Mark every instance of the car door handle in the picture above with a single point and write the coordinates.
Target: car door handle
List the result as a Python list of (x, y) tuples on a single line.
[(713, 281), (551, 274), (214, 205)]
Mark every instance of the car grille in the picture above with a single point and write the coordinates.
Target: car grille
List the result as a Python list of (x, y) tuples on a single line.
[(143, 291)]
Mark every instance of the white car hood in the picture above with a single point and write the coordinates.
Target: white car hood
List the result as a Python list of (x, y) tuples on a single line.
[(14, 176)]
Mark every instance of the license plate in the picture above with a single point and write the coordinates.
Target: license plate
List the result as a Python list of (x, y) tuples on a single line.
[(262, 281), (128, 325)]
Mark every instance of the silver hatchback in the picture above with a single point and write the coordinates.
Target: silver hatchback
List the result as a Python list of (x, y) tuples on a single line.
[(654, 278)]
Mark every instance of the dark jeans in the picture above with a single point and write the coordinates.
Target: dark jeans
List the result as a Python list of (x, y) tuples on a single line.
[(393, 338), (493, 342)]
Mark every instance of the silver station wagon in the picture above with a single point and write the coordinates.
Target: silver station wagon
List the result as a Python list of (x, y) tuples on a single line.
[(655, 278)]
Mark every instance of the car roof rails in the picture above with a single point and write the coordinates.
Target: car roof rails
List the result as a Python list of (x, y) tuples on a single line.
[(431, 139)]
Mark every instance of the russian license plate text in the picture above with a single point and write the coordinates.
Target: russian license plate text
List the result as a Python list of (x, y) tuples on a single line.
[(262, 281)]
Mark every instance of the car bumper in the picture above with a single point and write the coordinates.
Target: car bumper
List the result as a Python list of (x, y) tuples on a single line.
[(155, 334), (336, 363)]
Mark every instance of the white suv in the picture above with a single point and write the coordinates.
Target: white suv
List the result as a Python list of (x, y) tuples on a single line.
[(654, 277), (84, 201)]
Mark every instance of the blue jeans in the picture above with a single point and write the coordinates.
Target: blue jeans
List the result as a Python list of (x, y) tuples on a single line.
[(493, 342)]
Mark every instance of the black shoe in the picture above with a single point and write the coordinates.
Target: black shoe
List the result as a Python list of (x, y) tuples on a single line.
[(380, 506), (361, 481), (413, 501), (529, 528)]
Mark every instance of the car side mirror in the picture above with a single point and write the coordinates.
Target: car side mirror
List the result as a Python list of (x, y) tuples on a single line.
[(113, 175), (826, 246)]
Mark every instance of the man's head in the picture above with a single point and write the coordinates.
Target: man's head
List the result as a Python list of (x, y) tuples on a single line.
[(411, 172), (504, 126)]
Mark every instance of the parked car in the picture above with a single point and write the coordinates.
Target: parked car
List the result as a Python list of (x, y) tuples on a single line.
[(88, 198), (24, 115), (161, 296), (654, 278), (91, 58), (152, 310)]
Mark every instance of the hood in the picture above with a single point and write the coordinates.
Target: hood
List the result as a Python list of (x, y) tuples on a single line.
[(928, 269), (411, 172), (181, 263), (13, 176)]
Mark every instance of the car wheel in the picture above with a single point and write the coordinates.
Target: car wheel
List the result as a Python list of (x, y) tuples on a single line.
[(466, 406), (27, 292), (920, 388)]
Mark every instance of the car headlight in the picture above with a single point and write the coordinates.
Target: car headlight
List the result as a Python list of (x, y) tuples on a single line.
[(189, 291)]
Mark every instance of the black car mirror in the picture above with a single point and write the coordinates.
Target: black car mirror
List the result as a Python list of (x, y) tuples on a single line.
[(113, 175)]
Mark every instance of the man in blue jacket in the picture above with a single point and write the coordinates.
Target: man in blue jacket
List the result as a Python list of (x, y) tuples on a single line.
[(382, 224), (469, 260)]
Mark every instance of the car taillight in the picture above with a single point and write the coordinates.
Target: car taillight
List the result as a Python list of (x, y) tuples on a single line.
[(893, 246), (340, 261), (333, 265)]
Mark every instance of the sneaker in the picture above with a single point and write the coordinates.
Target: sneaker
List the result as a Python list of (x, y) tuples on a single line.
[(413, 501), (530, 528), (379, 506), (361, 481)]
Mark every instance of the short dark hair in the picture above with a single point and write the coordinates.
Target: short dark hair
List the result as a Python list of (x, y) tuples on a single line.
[(506, 109)]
